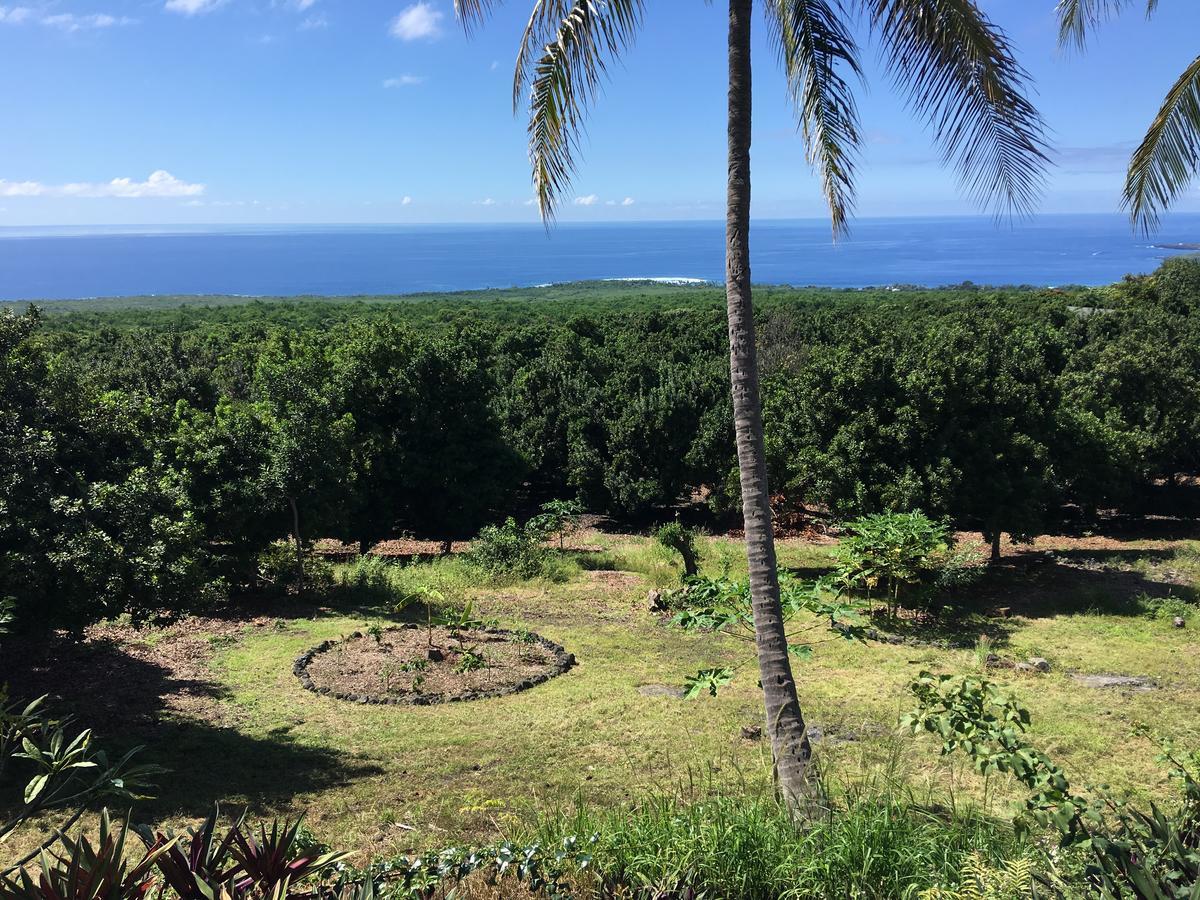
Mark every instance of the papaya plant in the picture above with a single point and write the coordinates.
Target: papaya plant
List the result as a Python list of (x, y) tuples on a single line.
[(725, 605)]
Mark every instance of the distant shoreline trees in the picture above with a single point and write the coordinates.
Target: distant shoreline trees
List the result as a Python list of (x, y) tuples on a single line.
[(145, 468)]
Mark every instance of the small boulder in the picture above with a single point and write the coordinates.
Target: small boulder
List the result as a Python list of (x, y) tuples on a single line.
[(1128, 682), (1028, 668), (433, 654), (654, 601), (1040, 663), (752, 732), (1178, 622)]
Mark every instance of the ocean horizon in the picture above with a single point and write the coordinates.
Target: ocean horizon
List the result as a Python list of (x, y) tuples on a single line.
[(80, 262)]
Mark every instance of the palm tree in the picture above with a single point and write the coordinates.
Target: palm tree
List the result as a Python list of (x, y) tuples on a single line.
[(1168, 159), (960, 76)]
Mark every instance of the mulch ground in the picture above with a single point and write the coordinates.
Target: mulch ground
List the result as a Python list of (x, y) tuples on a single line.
[(397, 664)]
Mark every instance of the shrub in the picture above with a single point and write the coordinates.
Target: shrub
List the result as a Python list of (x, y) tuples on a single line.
[(510, 550), (1165, 607), (675, 536), (277, 570), (1134, 852), (56, 771), (908, 558), (558, 517), (370, 579)]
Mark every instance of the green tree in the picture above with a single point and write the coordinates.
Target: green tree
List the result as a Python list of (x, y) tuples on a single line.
[(307, 447), (961, 76), (984, 390), (426, 450), (94, 521), (224, 455)]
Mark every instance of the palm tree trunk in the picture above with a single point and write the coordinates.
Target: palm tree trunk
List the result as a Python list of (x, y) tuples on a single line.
[(785, 722)]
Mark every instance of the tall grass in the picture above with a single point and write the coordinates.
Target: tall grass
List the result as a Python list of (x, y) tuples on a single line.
[(387, 585), (881, 841)]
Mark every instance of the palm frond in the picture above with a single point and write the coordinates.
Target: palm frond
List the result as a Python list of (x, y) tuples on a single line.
[(813, 45), (1076, 18), (539, 31), (1168, 159), (564, 82), (474, 12), (961, 75)]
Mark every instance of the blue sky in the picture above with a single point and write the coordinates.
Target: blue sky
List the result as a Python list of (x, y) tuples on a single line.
[(246, 111)]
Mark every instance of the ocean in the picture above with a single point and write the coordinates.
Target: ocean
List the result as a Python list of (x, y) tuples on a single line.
[(67, 263)]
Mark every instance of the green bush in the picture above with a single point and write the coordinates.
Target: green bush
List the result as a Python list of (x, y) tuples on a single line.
[(370, 579), (907, 559), (1166, 608), (510, 550), (277, 570), (1148, 853)]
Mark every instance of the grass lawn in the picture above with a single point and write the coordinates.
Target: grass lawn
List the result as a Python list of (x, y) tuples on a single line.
[(216, 702)]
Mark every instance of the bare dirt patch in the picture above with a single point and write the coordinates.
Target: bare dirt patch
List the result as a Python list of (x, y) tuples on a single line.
[(613, 580), (125, 680), (411, 664)]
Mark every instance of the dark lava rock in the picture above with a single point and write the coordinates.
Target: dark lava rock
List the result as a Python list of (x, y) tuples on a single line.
[(1129, 682)]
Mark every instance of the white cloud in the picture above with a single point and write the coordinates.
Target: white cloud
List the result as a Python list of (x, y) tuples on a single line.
[(14, 15), (586, 200), (159, 184), (20, 188), (487, 201), (416, 22), (628, 201), (407, 201), (404, 81), (531, 201), (192, 7), (313, 22), (72, 22)]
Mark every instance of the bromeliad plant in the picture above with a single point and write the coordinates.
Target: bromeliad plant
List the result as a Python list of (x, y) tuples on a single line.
[(277, 859), (83, 871), (277, 864), (199, 866), (1149, 854), (57, 770), (724, 605)]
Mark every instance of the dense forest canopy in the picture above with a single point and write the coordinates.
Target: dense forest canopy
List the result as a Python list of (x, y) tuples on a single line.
[(150, 454)]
